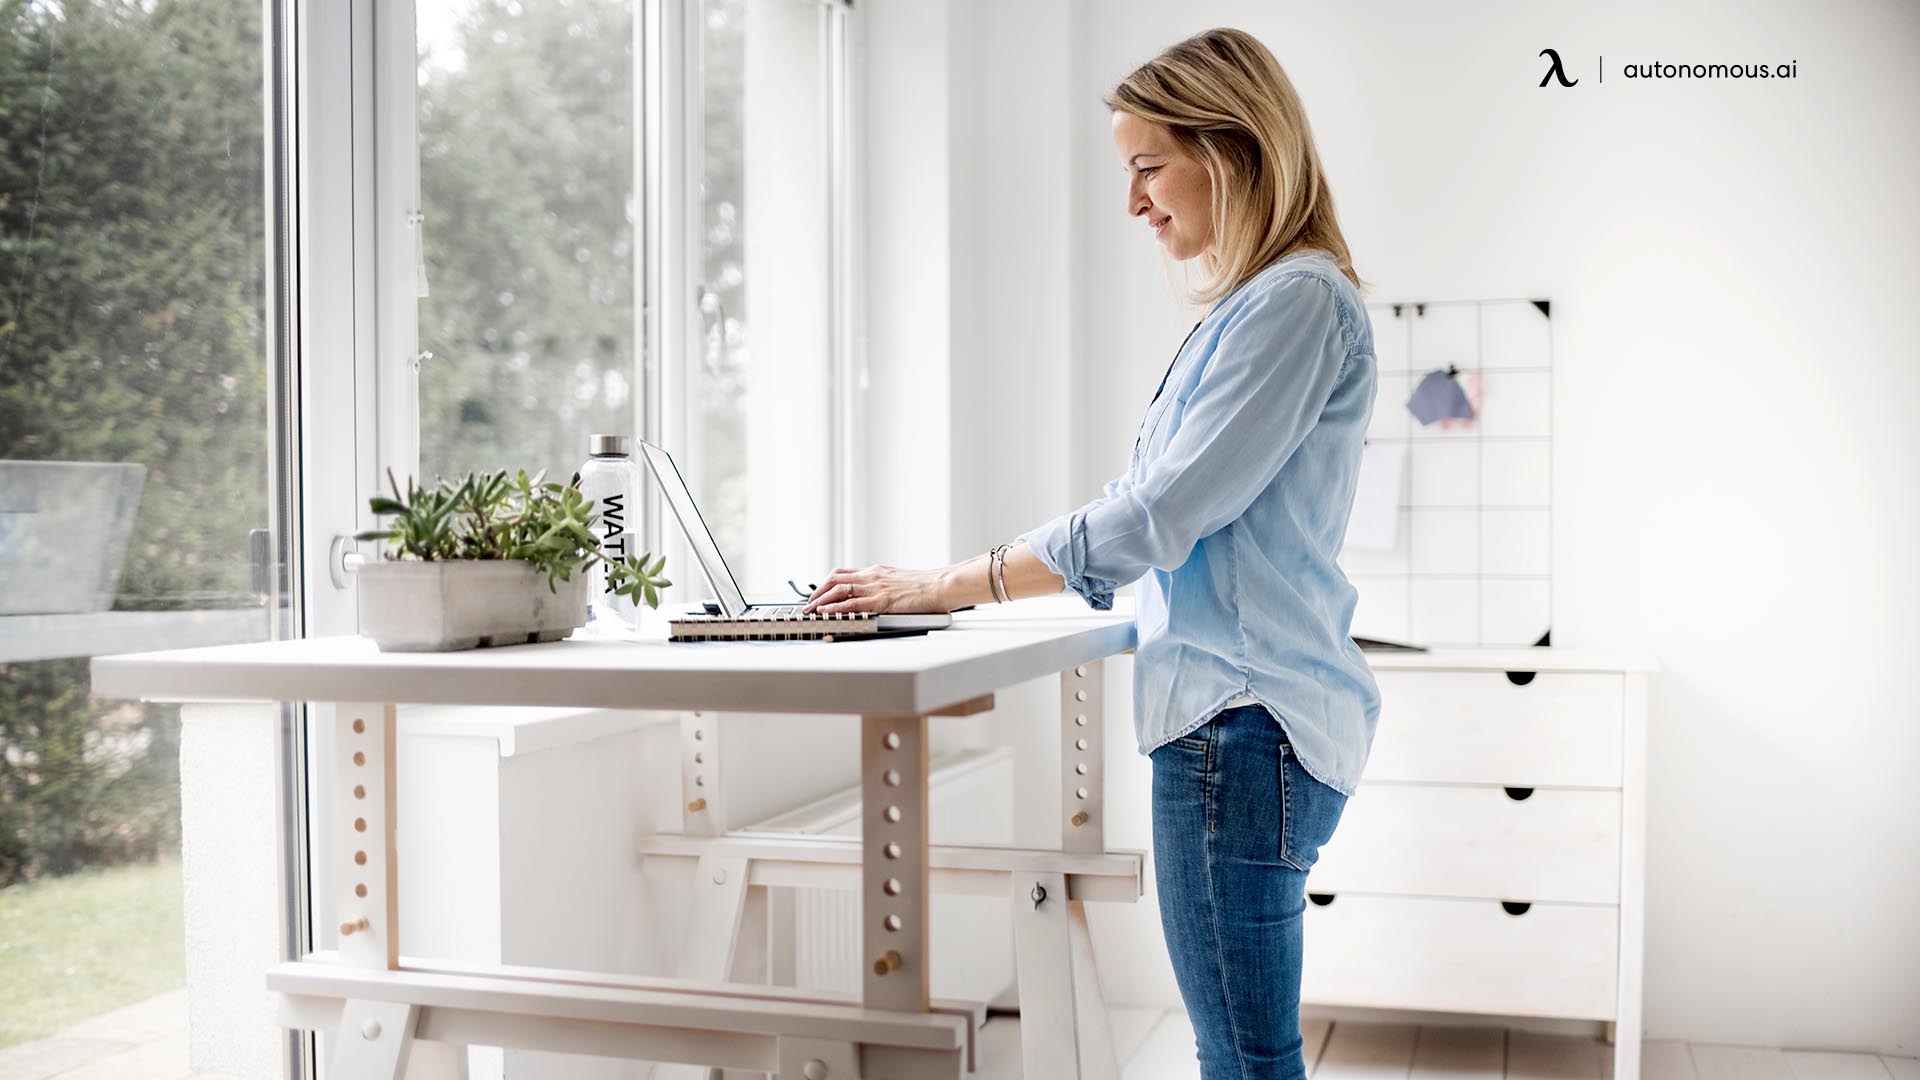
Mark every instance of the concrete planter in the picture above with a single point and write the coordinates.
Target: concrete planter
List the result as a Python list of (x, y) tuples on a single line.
[(412, 606)]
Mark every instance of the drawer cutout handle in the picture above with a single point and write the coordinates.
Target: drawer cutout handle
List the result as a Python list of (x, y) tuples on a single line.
[(1521, 678), (1320, 899), (1515, 907), (1519, 794)]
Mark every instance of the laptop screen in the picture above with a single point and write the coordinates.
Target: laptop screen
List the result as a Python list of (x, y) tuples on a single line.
[(732, 603)]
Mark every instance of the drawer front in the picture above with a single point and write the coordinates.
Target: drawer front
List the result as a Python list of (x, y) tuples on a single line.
[(1462, 956), (1476, 727), (1475, 842)]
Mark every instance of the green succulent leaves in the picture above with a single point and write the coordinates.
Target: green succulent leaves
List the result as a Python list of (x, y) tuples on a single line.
[(497, 516), (638, 580)]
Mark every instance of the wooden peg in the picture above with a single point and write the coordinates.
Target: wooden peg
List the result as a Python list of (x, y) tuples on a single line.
[(1079, 819), (354, 926), (697, 805), (887, 963)]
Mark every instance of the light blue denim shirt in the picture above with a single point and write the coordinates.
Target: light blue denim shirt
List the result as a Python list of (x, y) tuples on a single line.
[(1231, 514)]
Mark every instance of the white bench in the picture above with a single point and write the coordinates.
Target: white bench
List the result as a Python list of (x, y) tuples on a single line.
[(380, 1015)]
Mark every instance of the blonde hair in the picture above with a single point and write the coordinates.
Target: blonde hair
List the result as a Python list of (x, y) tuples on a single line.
[(1228, 103)]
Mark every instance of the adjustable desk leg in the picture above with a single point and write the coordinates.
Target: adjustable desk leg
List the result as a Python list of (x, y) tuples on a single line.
[(375, 1038), (366, 896), (893, 878), (719, 885), (1083, 827), (700, 776), (1064, 1028)]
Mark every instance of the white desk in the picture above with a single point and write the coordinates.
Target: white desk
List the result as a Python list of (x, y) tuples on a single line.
[(379, 1003)]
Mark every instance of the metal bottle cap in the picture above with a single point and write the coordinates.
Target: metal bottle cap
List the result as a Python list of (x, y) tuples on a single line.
[(609, 445)]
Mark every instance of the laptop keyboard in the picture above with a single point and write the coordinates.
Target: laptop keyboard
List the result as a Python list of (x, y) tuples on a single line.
[(787, 611), (780, 612)]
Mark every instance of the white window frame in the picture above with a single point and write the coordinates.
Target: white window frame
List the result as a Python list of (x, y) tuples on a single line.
[(671, 152), (847, 95), (668, 162), (323, 74)]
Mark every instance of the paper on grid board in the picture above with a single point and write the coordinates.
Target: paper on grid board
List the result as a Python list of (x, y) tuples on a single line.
[(1375, 522)]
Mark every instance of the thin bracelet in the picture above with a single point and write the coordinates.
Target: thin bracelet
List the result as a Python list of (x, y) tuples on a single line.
[(996, 582), (1004, 548)]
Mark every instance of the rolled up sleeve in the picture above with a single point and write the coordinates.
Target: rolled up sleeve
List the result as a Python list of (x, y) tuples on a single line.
[(1279, 357)]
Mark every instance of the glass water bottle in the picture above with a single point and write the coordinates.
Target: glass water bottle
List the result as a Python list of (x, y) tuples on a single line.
[(611, 478)]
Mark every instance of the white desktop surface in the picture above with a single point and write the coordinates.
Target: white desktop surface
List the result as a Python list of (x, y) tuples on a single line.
[(984, 651)]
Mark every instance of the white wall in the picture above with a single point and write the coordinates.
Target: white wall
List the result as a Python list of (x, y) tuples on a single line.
[(969, 229), (1012, 213), (1730, 265), (230, 878), (784, 152), (904, 146)]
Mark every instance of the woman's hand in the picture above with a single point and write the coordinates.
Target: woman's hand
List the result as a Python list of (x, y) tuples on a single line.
[(883, 589)]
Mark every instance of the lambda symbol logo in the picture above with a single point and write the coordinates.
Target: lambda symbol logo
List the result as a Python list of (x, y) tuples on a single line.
[(1554, 70)]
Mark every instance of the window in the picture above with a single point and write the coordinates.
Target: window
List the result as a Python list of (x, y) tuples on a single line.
[(135, 420), (535, 173), (526, 134), (759, 419)]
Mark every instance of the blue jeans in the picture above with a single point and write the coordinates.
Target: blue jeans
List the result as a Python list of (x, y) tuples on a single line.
[(1237, 822)]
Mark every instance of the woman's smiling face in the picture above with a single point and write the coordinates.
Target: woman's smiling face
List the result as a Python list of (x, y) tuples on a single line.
[(1166, 186)]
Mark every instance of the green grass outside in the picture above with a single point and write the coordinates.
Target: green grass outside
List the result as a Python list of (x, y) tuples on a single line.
[(77, 946)]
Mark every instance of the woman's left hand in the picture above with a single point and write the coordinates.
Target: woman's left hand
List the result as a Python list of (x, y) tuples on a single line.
[(883, 589)]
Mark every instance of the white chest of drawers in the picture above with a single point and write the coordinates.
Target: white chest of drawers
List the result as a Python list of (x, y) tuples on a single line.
[(1492, 859)]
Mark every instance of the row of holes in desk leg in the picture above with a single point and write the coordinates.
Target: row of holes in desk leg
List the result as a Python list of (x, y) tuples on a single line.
[(1078, 759), (361, 922)]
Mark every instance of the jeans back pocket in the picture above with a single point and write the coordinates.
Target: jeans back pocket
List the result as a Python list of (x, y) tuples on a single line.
[(1312, 811)]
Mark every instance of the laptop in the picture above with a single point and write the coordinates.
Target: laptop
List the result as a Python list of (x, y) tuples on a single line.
[(733, 605)]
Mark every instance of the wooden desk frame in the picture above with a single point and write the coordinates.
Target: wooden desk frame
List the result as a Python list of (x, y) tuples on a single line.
[(396, 1018)]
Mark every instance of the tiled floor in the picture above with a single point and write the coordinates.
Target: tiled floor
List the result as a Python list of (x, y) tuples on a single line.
[(143, 1041), (148, 1041)]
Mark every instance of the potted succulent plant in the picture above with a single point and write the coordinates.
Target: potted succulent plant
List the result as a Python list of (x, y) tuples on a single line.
[(492, 560)]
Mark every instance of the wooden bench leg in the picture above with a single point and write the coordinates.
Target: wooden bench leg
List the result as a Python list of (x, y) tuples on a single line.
[(374, 1041), (783, 936), (1062, 1017), (818, 1059), (431, 1060), (1098, 1060), (1064, 1031), (719, 900)]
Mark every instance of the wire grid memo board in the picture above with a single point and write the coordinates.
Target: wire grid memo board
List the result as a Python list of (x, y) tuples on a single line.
[(1472, 561)]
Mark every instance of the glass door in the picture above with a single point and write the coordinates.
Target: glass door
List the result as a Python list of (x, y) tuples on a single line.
[(144, 409)]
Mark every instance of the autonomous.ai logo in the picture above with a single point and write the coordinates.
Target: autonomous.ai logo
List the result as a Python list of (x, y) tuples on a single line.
[(1554, 70), (1750, 71)]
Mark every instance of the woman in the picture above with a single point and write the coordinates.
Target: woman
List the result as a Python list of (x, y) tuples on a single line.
[(1254, 704)]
